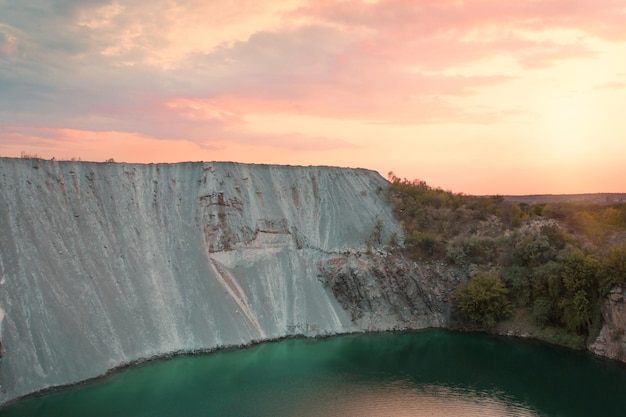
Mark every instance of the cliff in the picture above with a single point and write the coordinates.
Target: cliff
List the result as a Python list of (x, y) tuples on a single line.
[(611, 342), (106, 264)]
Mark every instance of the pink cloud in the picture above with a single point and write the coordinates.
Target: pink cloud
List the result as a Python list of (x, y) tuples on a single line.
[(604, 18), (449, 32), (412, 98), (350, 60), (324, 72)]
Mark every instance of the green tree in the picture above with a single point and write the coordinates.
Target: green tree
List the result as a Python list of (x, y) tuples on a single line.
[(579, 274), (483, 299), (557, 237), (547, 281), (613, 270), (516, 279), (543, 311)]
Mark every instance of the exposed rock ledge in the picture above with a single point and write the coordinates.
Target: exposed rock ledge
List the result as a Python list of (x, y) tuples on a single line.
[(611, 342), (105, 264)]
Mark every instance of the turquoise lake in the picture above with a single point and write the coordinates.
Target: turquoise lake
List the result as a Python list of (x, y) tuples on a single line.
[(428, 373)]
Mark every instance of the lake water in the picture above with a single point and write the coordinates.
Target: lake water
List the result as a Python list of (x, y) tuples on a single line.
[(427, 373)]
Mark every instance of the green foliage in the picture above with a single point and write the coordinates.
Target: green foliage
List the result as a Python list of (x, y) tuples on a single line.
[(456, 254), (483, 299), (593, 222), (557, 238), (579, 275), (433, 218), (425, 243), (534, 250), (555, 262), (534, 247), (537, 209), (475, 249), (511, 214), (543, 311), (546, 281), (516, 279), (613, 269)]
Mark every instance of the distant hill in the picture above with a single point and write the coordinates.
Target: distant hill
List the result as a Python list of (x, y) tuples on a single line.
[(594, 198)]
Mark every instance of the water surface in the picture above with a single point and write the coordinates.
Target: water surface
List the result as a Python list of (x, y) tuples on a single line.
[(428, 373)]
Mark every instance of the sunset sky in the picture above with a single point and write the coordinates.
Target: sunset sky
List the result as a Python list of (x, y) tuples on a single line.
[(476, 96)]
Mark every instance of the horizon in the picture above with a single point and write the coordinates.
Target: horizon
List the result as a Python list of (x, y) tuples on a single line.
[(482, 97)]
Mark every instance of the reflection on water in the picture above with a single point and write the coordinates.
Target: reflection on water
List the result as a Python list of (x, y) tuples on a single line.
[(430, 373), (404, 399)]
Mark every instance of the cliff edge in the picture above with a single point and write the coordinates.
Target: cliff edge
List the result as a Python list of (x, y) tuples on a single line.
[(106, 264)]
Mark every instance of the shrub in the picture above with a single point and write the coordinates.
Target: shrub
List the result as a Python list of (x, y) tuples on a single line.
[(543, 311), (546, 281), (516, 279), (613, 270), (426, 244), (483, 299), (456, 254), (393, 241)]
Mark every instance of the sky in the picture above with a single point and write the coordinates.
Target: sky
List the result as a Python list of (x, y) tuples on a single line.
[(475, 96)]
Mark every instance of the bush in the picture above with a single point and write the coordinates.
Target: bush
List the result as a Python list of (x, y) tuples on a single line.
[(557, 237), (393, 241), (543, 311), (613, 270), (534, 250), (476, 249), (456, 254), (516, 279), (483, 299), (547, 281), (426, 243), (511, 214)]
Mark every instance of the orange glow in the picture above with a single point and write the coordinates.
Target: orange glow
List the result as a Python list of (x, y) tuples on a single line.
[(480, 96)]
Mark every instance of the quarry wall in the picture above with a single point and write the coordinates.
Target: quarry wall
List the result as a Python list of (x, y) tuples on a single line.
[(106, 264)]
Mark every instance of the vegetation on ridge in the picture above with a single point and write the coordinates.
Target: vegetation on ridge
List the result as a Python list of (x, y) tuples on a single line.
[(550, 265)]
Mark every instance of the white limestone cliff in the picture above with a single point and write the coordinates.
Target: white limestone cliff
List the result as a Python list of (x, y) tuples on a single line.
[(105, 264)]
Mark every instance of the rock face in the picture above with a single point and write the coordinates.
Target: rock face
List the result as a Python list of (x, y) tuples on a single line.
[(105, 264), (611, 341), (383, 292)]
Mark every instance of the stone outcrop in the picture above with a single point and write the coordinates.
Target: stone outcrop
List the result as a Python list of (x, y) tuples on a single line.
[(384, 292), (106, 264), (611, 342)]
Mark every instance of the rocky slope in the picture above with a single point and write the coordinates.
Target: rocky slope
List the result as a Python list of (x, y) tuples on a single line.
[(611, 341), (386, 292), (105, 264)]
